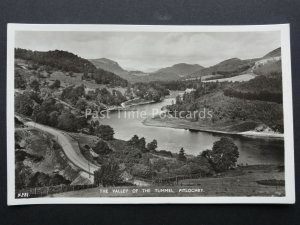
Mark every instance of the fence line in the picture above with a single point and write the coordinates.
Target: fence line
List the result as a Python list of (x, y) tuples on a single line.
[(172, 180)]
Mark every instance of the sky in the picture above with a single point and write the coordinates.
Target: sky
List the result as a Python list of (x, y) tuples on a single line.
[(147, 51)]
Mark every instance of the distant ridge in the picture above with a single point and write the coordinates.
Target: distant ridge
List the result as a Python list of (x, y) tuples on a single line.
[(274, 53), (173, 72), (233, 66), (108, 65), (58, 59)]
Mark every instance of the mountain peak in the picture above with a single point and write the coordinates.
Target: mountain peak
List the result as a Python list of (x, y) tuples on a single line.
[(105, 60)]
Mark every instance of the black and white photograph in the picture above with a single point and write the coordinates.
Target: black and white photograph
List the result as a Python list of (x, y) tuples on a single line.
[(149, 114)]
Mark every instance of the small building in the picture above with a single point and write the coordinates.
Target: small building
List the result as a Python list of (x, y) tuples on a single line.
[(189, 90)]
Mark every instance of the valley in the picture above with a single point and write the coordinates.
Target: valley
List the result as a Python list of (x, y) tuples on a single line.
[(54, 89)]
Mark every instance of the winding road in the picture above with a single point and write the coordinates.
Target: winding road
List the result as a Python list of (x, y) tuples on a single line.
[(70, 148)]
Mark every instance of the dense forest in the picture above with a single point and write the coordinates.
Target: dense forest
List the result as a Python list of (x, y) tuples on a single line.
[(105, 77), (260, 88), (180, 85)]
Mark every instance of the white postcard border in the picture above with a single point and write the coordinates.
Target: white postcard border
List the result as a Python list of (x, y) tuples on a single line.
[(289, 198)]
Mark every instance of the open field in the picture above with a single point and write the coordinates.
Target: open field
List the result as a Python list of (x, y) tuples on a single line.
[(239, 78)]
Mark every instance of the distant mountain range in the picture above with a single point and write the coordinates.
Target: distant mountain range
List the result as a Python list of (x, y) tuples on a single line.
[(114, 67), (174, 72), (231, 67), (178, 70)]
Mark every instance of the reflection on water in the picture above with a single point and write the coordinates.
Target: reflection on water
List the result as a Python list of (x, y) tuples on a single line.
[(252, 150)]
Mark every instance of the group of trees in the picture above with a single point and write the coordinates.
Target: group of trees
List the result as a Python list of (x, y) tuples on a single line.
[(261, 96), (180, 85), (102, 148), (108, 175), (263, 88), (150, 91), (222, 157), (27, 178), (105, 132), (72, 93), (104, 96), (76, 96), (140, 143), (48, 112), (54, 114)]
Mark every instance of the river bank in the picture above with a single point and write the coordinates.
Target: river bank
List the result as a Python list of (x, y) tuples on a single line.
[(136, 102), (225, 128)]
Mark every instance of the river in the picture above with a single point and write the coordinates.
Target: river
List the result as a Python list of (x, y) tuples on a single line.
[(252, 150)]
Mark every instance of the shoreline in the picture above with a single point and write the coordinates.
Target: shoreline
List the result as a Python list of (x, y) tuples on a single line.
[(143, 102), (194, 128)]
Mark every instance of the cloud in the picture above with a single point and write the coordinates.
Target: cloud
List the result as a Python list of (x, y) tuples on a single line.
[(143, 50)]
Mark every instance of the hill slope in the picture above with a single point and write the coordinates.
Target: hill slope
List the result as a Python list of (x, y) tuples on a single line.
[(57, 59), (233, 66), (172, 73), (179, 70), (274, 53), (108, 65)]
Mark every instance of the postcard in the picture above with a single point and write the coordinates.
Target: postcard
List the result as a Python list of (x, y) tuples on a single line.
[(131, 114)]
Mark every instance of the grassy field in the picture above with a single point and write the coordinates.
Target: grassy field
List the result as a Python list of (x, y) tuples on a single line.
[(239, 78)]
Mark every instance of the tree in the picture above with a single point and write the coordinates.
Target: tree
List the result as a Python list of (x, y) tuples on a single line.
[(66, 121), (181, 155), (142, 144), (102, 148), (23, 104), (152, 145), (42, 117), (108, 175), (105, 132), (134, 140), (224, 154)]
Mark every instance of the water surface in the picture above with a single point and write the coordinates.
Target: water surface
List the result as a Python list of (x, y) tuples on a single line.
[(252, 150)]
